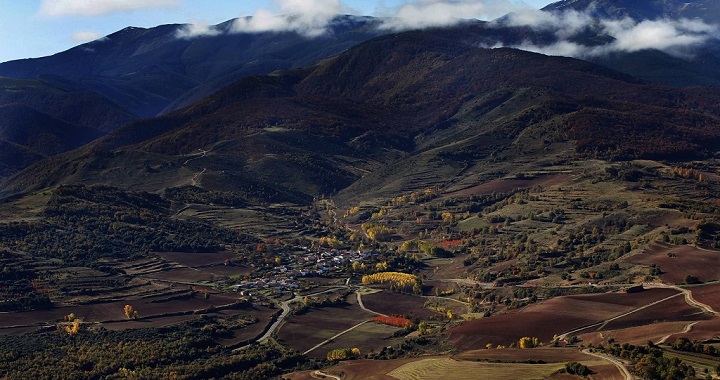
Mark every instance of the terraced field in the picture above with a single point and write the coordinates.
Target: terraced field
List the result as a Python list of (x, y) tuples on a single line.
[(446, 368)]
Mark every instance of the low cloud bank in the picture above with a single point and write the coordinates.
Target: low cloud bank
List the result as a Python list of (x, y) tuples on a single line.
[(434, 13), (305, 17), (675, 37), (311, 18)]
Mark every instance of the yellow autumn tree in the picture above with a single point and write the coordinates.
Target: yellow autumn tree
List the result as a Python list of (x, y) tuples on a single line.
[(73, 328), (527, 342), (343, 354), (397, 280), (130, 312)]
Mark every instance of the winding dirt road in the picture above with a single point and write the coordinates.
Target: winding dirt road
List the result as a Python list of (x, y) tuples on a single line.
[(685, 330), (362, 305), (615, 362), (688, 297), (564, 335)]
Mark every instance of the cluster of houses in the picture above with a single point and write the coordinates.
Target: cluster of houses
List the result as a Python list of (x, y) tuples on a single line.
[(324, 263)]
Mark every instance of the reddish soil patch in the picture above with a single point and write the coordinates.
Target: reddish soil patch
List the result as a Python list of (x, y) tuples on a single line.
[(707, 294), (398, 304), (370, 337), (635, 335), (548, 355), (197, 259), (554, 316), (507, 185), (356, 370), (148, 323), (564, 376), (605, 372), (687, 260), (184, 275), (113, 311), (672, 310), (304, 331), (508, 328), (226, 270), (704, 330)]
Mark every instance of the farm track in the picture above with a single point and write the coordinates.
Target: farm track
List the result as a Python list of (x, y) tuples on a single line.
[(324, 375), (330, 339), (617, 363), (688, 298), (685, 330), (285, 306), (601, 324), (362, 305)]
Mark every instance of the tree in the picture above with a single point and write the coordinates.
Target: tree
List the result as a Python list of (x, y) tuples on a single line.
[(73, 328), (575, 368), (130, 312), (692, 279), (422, 328), (528, 342)]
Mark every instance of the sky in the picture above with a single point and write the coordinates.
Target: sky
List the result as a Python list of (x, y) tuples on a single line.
[(35, 28)]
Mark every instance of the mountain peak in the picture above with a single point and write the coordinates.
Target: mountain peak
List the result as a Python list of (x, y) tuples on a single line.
[(706, 10)]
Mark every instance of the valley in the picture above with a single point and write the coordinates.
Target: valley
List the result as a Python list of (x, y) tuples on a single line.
[(377, 204)]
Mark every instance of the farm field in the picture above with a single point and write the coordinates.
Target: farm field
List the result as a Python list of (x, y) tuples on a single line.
[(398, 304), (369, 337), (654, 332), (707, 294), (552, 317), (304, 331), (703, 330), (153, 311), (504, 185), (195, 259), (676, 262), (356, 370), (546, 354), (437, 368)]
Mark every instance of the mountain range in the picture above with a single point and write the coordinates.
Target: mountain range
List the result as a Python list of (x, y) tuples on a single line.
[(150, 90), (706, 10)]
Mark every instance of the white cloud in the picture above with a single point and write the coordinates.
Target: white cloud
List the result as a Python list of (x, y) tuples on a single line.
[(307, 17), (196, 29), (666, 35), (55, 8), (85, 36), (564, 25), (676, 37), (430, 13)]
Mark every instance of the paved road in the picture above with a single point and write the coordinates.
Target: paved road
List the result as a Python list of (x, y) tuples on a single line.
[(285, 306)]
